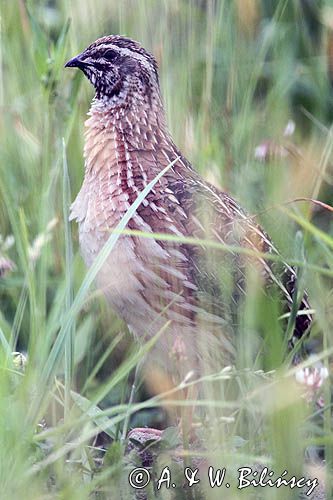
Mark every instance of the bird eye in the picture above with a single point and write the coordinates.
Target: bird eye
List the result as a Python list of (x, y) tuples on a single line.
[(110, 54)]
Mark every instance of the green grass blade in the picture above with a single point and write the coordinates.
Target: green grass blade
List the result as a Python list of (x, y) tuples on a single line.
[(70, 338), (58, 347)]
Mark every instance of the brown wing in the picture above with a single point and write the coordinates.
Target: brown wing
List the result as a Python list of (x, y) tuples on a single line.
[(191, 207), (183, 204)]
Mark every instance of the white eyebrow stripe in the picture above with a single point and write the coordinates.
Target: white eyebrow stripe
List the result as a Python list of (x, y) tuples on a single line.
[(128, 52)]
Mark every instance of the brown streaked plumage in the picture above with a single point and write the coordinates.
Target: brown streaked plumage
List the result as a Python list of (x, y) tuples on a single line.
[(152, 282)]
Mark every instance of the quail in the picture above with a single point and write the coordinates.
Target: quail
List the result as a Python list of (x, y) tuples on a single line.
[(185, 290)]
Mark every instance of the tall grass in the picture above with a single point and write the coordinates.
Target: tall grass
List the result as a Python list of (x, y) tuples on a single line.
[(233, 73)]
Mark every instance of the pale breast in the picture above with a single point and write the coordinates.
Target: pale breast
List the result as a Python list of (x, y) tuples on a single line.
[(127, 273)]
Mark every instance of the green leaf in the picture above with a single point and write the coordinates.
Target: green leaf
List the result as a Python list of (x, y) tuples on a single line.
[(40, 46), (95, 413), (70, 338), (69, 318)]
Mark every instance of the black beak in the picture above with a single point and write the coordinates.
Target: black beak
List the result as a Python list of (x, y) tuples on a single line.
[(75, 62)]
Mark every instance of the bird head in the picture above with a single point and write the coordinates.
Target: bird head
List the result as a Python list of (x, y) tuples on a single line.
[(116, 66)]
